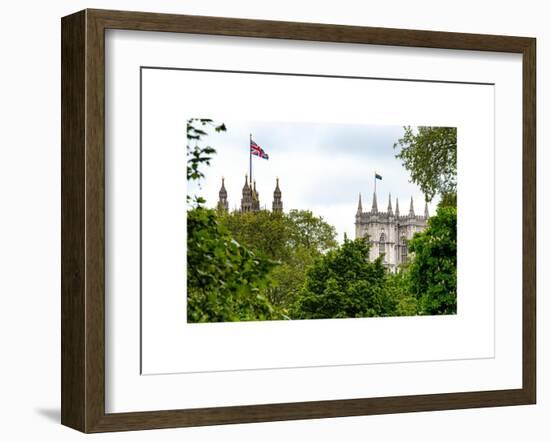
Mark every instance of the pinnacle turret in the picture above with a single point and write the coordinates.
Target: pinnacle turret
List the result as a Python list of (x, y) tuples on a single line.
[(397, 207), (255, 198), (390, 211), (222, 202), (277, 201), (246, 201), (426, 213), (359, 206), (277, 190), (411, 208), (374, 203)]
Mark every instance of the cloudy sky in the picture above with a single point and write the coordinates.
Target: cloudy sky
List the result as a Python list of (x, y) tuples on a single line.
[(321, 167)]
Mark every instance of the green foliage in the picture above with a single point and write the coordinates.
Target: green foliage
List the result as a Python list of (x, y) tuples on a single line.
[(265, 232), (288, 278), (429, 154), (317, 279), (344, 284), (295, 240), (447, 200), (278, 234), (198, 155), (432, 272), (224, 279), (398, 290), (310, 231)]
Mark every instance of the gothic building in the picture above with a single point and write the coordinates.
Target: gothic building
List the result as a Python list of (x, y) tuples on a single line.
[(250, 200), (389, 231), (222, 202)]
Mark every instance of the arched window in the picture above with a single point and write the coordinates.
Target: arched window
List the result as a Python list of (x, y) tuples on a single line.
[(382, 246), (403, 250)]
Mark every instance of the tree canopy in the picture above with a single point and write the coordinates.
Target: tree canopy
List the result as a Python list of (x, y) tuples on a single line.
[(432, 272), (429, 154), (197, 154), (225, 280), (344, 284), (293, 239)]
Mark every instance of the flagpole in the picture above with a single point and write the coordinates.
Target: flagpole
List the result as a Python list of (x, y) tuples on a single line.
[(374, 182), (250, 157)]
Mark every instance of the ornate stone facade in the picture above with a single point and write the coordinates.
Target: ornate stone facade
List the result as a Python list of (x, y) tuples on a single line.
[(246, 200), (277, 205), (389, 231), (250, 200), (222, 202)]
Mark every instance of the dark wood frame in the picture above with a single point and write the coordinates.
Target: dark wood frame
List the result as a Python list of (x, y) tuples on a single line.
[(83, 217)]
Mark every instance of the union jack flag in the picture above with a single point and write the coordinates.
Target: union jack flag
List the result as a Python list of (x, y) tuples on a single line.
[(257, 151)]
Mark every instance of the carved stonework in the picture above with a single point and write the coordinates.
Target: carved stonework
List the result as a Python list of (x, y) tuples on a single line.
[(250, 200), (388, 232), (277, 205)]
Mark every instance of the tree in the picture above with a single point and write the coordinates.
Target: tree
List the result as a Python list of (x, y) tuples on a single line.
[(198, 155), (264, 232), (432, 271), (398, 289), (447, 200), (429, 154), (288, 278), (344, 284), (295, 240), (224, 279), (311, 232)]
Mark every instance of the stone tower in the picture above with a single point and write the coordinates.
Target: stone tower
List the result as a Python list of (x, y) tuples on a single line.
[(246, 200), (222, 201), (250, 201), (277, 201), (255, 199), (389, 232)]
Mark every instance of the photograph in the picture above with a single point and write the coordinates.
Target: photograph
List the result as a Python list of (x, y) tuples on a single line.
[(306, 220)]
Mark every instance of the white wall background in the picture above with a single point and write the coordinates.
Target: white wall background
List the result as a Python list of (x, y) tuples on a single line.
[(30, 217)]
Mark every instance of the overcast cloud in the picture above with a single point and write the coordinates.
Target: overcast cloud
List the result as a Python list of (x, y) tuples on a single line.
[(321, 167)]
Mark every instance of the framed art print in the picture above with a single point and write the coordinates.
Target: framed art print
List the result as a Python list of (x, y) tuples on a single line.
[(270, 220)]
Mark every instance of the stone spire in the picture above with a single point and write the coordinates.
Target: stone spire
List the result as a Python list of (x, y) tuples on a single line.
[(222, 202), (426, 213), (246, 200), (277, 201), (359, 206), (397, 207), (255, 199), (390, 211), (411, 209), (374, 203)]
